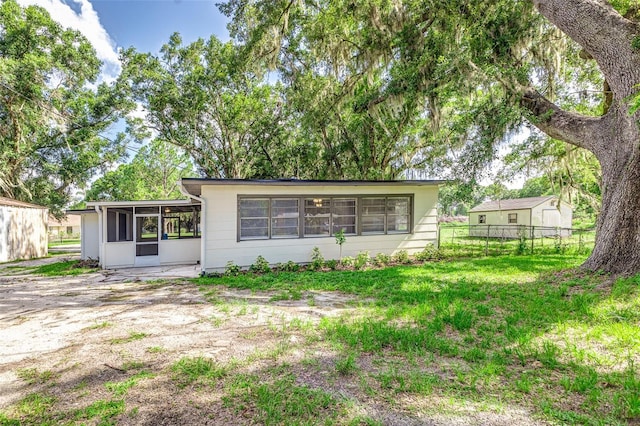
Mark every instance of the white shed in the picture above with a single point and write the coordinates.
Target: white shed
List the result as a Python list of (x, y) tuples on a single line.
[(542, 216), (23, 230)]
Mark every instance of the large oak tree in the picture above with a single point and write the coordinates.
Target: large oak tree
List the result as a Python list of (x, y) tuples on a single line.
[(52, 111), (483, 67)]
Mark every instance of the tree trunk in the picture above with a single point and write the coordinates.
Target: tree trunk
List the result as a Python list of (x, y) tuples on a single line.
[(617, 248)]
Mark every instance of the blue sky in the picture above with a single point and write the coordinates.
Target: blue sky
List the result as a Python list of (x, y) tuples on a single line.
[(144, 24)]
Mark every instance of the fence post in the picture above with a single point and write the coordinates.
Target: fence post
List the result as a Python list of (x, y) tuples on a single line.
[(439, 229), (486, 243), (533, 235)]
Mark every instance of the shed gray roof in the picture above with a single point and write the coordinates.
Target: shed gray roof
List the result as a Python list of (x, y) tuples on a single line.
[(513, 204), (15, 203)]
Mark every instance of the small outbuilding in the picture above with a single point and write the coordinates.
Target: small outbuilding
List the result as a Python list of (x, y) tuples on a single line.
[(537, 216), (23, 230), (67, 227)]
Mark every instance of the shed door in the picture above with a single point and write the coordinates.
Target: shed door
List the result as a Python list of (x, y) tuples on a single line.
[(550, 217)]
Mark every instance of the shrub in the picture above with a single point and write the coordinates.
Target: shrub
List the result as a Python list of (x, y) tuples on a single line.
[(290, 266), (362, 260), (331, 264), (430, 252), (348, 261), (340, 240), (231, 269), (317, 260), (382, 259), (402, 257), (260, 266)]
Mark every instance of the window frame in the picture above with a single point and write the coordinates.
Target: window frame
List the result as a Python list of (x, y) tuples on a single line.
[(195, 210), (302, 198), (482, 219), (514, 220)]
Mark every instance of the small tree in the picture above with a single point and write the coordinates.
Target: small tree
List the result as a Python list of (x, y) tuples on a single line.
[(340, 240)]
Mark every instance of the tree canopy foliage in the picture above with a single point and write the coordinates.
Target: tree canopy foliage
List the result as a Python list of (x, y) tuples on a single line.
[(52, 112), (153, 174), (474, 71)]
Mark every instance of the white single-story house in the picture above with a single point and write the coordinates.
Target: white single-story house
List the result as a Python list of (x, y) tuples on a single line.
[(23, 230), (542, 216), (65, 227), (237, 220)]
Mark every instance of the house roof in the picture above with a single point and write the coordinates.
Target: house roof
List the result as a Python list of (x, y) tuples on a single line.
[(141, 203), (15, 203), (513, 204), (69, 220), (194, 185)]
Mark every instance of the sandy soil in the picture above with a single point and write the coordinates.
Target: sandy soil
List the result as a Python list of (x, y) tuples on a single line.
[(80, 328)]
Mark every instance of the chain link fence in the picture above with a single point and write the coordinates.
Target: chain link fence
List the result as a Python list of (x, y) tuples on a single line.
[(491, 240)]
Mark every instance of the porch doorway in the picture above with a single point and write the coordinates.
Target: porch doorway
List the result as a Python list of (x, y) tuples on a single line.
[(147, 239)]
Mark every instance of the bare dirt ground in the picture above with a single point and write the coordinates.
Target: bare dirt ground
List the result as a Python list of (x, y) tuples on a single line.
[(67, 337)]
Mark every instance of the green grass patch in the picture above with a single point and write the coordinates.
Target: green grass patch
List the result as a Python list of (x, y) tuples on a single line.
[(68, 267), (198, 370), (121, 388), (282, 401), (133, 336), (490, 330)]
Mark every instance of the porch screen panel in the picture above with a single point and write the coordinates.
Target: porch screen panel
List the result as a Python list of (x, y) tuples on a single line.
[(398, 215), (317, 217), (285, 218), (254, 218), (344, 215), (373, 215)]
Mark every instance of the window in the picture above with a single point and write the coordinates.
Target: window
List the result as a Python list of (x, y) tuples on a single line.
[(69, 229), (482, 218), (254, 218), (317, 217), (179, 222), (513, 218), (119, 224), (321, 216), (285, 218)]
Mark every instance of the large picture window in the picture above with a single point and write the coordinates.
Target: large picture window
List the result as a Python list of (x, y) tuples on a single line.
[(270, 217)]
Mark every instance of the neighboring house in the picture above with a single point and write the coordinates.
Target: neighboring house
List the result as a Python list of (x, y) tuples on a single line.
[(23, 230), (234, 220), (64, 228), (505, 218)]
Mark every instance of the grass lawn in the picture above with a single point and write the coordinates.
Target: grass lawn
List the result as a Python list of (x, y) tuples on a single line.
[(56, 242), (444, 340), (490, 332)]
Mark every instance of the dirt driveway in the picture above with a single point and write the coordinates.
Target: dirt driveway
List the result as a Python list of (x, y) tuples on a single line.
[(102, 348)]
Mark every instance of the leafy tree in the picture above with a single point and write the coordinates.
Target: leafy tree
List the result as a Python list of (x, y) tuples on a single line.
[(152, 175), (504, 60), (51, 112), (206, 99)]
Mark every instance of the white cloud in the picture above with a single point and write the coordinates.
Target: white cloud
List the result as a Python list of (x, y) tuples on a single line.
[(88, 23)]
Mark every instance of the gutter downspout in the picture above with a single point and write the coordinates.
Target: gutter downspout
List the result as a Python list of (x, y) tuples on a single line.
[(203, 225), (100, 237)]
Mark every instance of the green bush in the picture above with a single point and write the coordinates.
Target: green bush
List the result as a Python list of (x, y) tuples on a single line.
[(231, 269), (260, 266), (289, 266), (362, 260), (317, 260), (382, 259), (402, 257), (430, 252), (348, 261), (331, 264)]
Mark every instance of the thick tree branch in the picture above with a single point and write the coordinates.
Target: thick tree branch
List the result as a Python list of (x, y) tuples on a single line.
[(576, 129), (603, 33)]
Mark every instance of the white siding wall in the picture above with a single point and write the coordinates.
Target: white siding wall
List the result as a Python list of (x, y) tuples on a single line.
[(23, 233), (222, 245), (90, 248)]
